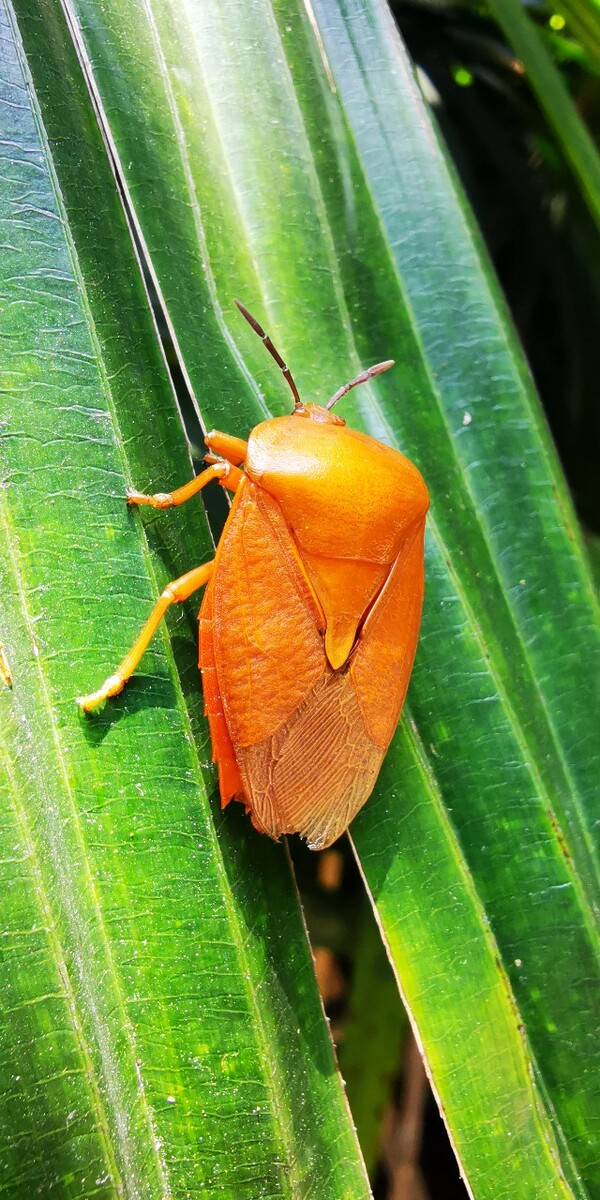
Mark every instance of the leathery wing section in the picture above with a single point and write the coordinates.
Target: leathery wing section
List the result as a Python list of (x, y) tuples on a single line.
[(310, 623)]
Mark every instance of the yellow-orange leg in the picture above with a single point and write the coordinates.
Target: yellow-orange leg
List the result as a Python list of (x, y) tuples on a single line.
[(5, 672), (234, 449), (225, 472), (174, 593)]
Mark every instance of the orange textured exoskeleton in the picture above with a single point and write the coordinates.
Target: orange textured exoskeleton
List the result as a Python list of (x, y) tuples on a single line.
[(310, 618)]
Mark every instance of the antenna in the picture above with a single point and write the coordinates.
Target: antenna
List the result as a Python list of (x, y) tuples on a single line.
[(270, 347), (362, 378)]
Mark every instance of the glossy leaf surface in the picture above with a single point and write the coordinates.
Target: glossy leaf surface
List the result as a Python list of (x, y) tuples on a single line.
[(284, 154), (160, 1030), (309, 202)]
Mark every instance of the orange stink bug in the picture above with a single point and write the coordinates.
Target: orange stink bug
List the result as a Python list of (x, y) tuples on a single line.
[(310, 618)]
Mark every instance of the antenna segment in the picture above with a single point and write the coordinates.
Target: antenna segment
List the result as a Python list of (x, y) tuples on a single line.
[(287, 374), (362, 378)]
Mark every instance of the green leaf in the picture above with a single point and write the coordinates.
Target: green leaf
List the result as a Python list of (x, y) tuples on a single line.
[(160, 1029), (284, 154), (317, 190)]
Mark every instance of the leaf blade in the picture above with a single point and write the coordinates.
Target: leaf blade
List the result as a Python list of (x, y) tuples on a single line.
[(161, 1001), (383, 272)]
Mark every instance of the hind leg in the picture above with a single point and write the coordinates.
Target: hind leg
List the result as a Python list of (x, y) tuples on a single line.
[(174, 593)]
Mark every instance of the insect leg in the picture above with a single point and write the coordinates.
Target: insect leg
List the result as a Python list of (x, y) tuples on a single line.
[(227, 474), (174, 592), (5, 672), (234, 449), (267, 343)]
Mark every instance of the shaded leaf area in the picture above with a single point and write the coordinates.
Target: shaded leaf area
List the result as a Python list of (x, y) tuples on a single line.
[(160, 1028), (316, 189), (374, 1035)]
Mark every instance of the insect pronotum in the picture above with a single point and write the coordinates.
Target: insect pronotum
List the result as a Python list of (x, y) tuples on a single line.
[(310, 615)]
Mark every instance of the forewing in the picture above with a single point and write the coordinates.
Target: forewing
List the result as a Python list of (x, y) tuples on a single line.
[(308, 741), (230, 783), (381, 664), (268, 647), (315, 772)]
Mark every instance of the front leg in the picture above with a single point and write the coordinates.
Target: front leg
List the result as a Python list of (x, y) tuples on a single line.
[(224, 445), (226, 473)]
